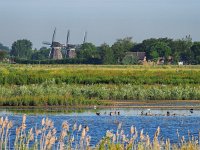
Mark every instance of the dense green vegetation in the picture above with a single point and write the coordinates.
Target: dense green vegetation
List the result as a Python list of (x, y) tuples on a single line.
[(170, 50), (92, 75), (72, 85), (72, 95)]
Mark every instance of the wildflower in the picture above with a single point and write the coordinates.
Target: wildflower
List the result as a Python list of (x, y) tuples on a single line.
[(65, 125), (23, 126), (119, 126), (6, 120), (1, 121), (54, 131), (72, 139), (80, 127), (109, 134), (148, 140), (24, 119), (83, 133), (86, 128), (132, 130), (37, 132), (141, 135), (74, 126), (62, 135), (88, 139), (114, 138), (10, 124), (43, 122), (17, 131)]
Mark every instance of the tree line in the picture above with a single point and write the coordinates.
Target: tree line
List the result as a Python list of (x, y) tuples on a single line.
[(184, 50)]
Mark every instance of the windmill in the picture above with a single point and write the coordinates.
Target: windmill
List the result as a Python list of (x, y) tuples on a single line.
[(70, 48), (56, 47)]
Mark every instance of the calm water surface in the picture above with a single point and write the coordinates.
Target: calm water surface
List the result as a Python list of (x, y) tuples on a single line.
[(183, 120)]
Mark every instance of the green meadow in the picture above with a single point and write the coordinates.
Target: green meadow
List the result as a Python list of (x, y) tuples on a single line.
[(61, 85)]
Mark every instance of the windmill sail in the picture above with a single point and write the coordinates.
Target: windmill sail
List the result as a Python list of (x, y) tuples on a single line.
[(85, 38), (54, 34)]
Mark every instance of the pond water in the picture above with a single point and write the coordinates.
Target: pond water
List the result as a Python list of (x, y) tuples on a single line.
[(183, 120)]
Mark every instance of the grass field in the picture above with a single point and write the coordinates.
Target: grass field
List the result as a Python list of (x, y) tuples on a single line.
[(38, 85)]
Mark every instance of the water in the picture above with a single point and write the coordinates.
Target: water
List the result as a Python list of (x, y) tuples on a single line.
[(183, 120)]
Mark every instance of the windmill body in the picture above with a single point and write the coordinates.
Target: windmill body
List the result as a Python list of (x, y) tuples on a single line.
[(70, 48), (56, 53), (71, 53), (56, 48)]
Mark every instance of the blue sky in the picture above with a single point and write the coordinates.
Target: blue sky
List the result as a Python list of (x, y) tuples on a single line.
[(104, 20)]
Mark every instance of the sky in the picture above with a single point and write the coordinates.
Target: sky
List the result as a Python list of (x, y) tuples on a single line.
[(104, 20)]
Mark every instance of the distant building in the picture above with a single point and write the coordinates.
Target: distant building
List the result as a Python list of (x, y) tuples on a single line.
[(140, 55), (71, 53), (55, 52)]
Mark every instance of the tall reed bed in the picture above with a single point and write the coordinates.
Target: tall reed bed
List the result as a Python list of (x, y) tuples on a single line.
[(76, 137), (74, 94)]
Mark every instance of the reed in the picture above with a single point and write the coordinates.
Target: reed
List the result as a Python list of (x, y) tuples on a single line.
[(44, 136), (52, 94)]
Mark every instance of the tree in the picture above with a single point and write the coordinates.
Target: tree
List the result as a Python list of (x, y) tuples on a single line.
[(87, 51), (195, 49), (42, 54), (120, 47), (21, 49), (181, 49), (4, 48), (106, 54), (160, 49), (3, 54), (154, 54), (145, 46)]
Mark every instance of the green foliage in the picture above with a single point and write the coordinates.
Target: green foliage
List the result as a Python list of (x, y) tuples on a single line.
[(21, 49), (42, 54), (195, 49), (92, 75), (160, 49), (3, 48), (87, 51), (179, 50), (154, 54), (120, 47), (106, 54), (73, 95), (75, 85), (3, 54)]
